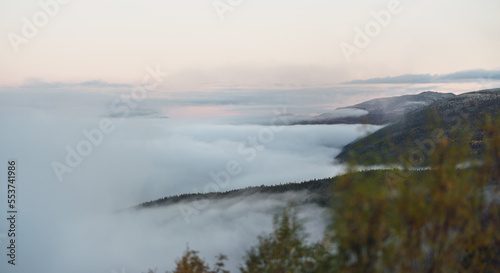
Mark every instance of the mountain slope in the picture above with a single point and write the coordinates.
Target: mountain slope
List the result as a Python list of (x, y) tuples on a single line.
[(318, 190), (412, 134), (378, 111)]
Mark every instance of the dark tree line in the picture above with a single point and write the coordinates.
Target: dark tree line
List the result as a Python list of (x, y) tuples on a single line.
[(443, 219)]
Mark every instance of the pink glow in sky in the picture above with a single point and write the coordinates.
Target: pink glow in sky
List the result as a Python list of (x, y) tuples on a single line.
[(199, 112), (265, 43)]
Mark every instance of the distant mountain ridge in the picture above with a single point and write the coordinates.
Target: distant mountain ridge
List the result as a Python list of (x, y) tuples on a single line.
[(450, 115), (317, 189), (380, 111), (388, 143)]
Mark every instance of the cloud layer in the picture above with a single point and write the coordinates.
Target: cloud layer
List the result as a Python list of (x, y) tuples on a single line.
[(476, 75), (72, 226)]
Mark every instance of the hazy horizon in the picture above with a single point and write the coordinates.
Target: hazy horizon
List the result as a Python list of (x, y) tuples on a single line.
[(108, 104)]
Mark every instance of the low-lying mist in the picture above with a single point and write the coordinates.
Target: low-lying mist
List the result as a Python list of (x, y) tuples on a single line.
[(67, 221)]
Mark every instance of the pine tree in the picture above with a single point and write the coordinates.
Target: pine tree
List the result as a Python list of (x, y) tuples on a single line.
[(284, 250), (438, 220), (192, 263)]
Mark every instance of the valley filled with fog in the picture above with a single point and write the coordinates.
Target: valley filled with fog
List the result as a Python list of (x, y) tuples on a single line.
[(110, 108), (68, 219)]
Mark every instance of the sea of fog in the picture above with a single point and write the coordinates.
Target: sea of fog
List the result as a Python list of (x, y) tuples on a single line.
[(67, 202)]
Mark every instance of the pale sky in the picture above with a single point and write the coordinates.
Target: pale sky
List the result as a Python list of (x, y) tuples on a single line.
[(64, 68), (259, 43)]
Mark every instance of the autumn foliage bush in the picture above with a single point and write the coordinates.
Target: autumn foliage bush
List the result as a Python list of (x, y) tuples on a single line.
[(444, 218)]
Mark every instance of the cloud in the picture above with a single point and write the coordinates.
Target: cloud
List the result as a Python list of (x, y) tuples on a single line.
[(234, 106), (72, 227), (36, 83), (156, 237), (461, 76)]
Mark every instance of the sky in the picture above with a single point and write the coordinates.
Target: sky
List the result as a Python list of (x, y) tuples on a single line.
[(162, 98), (217, 44)]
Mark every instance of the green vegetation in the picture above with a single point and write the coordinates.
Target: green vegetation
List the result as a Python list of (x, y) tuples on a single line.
[(318, 189), (284, 250), (192, 263), (442, 219), (415, 133)]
